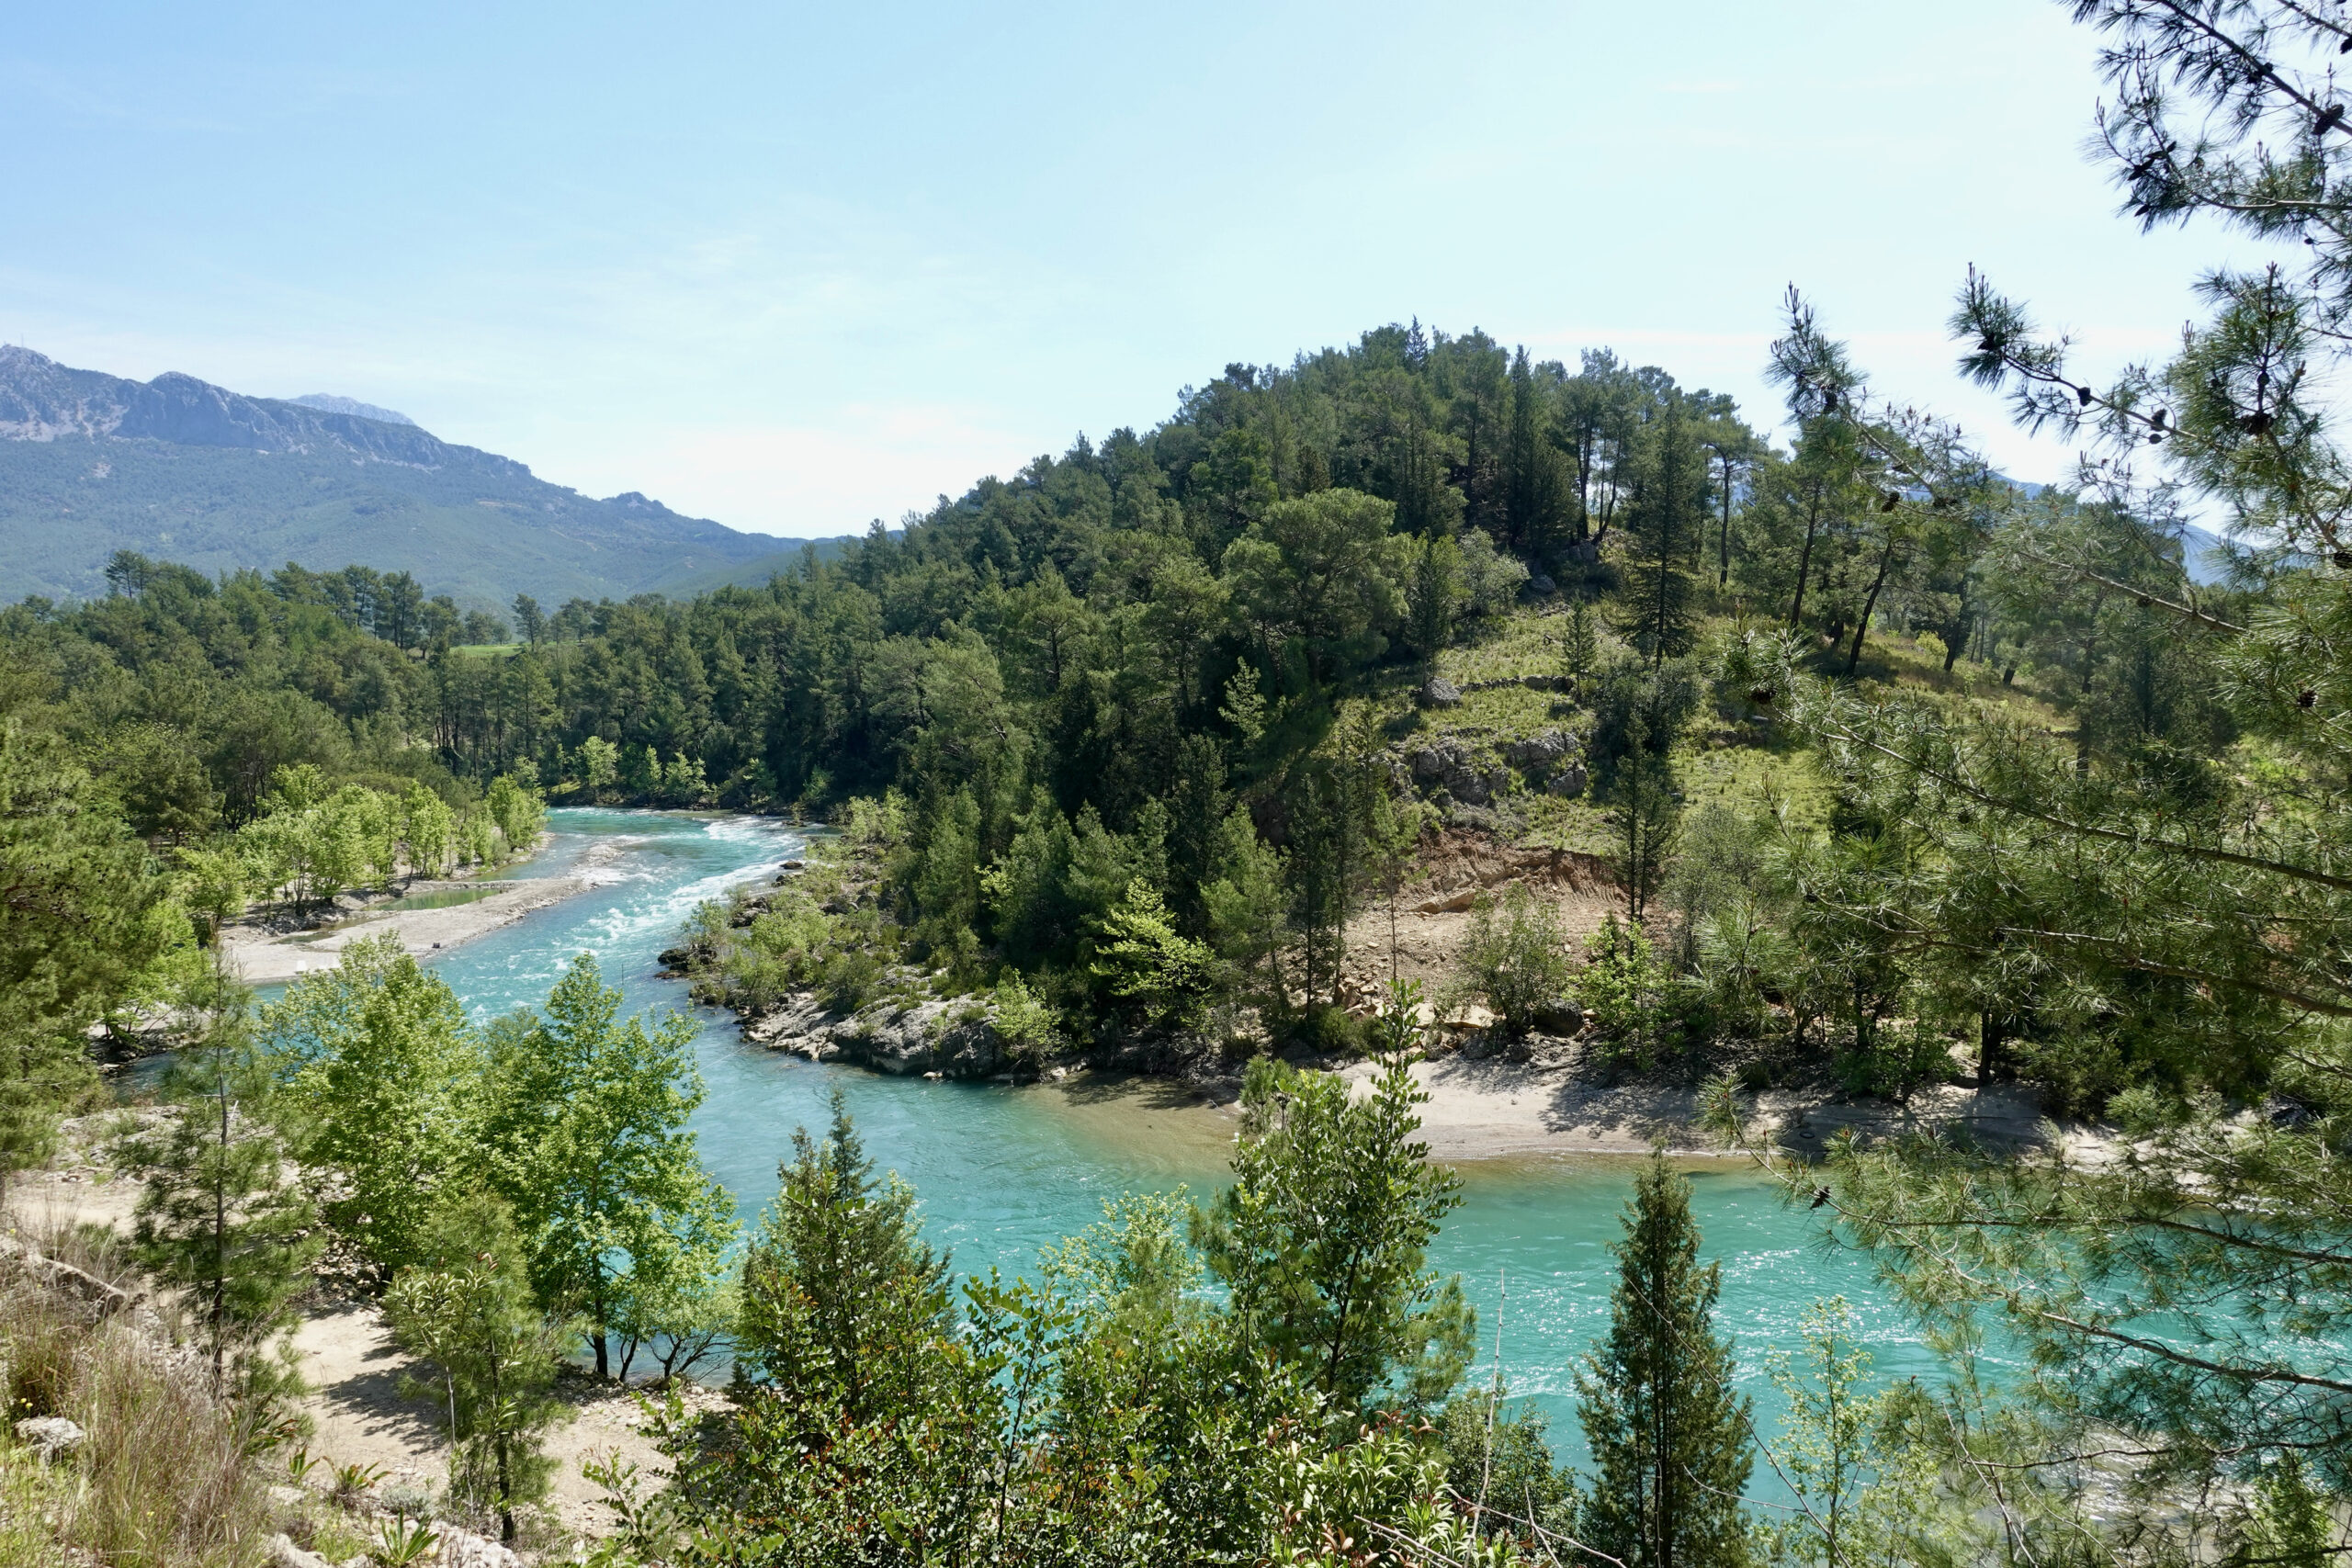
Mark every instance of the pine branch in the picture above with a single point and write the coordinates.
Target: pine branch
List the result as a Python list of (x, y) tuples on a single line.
[(2111, 835), (2145, 597)]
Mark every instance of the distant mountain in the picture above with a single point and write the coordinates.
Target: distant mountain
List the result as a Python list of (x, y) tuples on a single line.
[(2203, 555), (755, 572), (328, 402), (183, 470)]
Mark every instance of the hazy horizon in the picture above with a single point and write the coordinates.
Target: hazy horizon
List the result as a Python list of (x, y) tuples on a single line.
[(793, 272)]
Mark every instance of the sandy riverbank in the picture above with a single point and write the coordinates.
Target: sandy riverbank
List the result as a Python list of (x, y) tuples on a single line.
[(1495, 1109), (261, 958)]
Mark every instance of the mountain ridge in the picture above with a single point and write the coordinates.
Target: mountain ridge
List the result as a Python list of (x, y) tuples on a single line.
[(330, 402), (181, 468)]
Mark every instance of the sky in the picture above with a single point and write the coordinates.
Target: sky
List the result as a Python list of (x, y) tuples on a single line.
[(797, 267)]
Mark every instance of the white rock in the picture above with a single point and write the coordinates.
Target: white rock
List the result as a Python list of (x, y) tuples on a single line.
[(283, 1553), (461, 1548), (50, 1435)]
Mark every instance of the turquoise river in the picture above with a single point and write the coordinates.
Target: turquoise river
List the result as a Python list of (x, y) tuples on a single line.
[(1002, 1171)]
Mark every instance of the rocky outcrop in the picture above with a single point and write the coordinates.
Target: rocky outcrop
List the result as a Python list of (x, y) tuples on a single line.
[(1470, 775), (947, 1039), (1541, 753), (1461, 773), (50, 1437), (1437, 692)]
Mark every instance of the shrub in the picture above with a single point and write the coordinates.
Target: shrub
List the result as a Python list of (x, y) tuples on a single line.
[(1330, 1032), (1502, 1459), (1515, 961), (1895, 1058), (1025, 1022), (1624, 991), (165, 1479)]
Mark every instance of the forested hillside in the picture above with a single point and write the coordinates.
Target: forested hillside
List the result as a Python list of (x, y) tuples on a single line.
[(1899, 775)]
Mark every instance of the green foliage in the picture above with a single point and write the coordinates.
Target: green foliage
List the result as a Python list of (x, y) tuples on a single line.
[(791, 945), (844, 1308), (1665, 518), (1864, 1492), (426, 827), (2290, 1522), (1434, 594), (1490, 579), (1025, 1022), (1513, 957), (1626, 993), (1245, 907), (1322, 1240), (1321, 569), (1668, 1433), (583, 1132), (1716, 867), (223, 1214), (1110, 1413), (467, 1308), (1140, 960), (1579, 643), (381, 1068), (599, 765), (85, 926), (1499, 1458)]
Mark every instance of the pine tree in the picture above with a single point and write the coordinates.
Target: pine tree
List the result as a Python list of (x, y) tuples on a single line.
[(1534, 490), (220, 1215), (1669, 1434), (1641, 813), (843, 1300), (1433, 594), (1579, 644), (1323, 1239), (1664, 527), (467, 1309)]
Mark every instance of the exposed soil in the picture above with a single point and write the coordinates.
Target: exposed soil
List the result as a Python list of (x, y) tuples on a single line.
[(1432, 909), (1493, 1109)]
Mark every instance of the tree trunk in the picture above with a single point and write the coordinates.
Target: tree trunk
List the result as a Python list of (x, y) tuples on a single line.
[(1804, 558), (1723, 544), (1862, 625)]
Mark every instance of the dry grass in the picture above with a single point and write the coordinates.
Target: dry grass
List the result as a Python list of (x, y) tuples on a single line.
[(162, 1478), (167, 1480)]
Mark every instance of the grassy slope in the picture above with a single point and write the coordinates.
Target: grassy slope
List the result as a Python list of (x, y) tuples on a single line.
[(1718, 758)]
